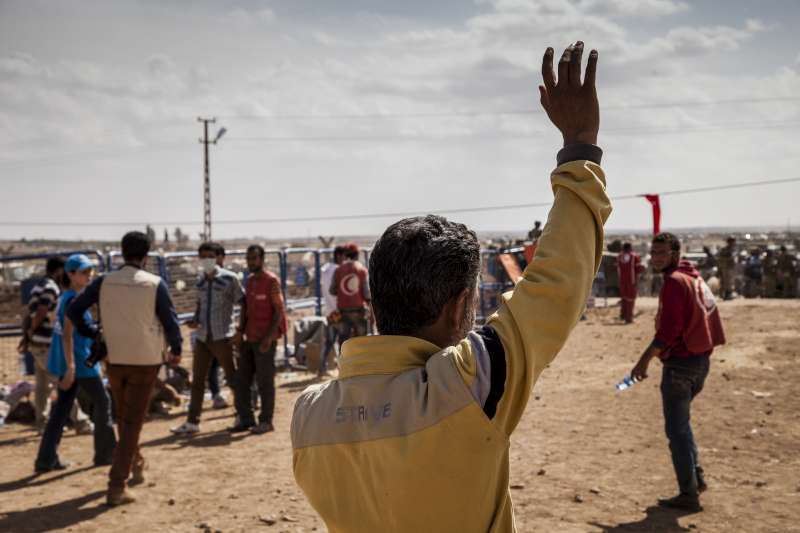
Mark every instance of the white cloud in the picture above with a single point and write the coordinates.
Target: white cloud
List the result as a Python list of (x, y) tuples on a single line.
[(634, 8)]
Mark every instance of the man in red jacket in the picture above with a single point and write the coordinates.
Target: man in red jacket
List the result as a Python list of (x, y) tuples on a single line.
[(688, 327), (629, 268)]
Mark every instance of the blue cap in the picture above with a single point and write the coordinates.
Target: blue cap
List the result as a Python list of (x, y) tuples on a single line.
[(77, 263)]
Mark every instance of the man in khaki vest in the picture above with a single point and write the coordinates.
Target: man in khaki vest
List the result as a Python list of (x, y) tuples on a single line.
[(414, 433), (136, 314)]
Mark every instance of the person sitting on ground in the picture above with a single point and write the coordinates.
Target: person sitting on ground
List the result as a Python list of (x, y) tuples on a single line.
[(67, 361), (218, 291), (414, 433)]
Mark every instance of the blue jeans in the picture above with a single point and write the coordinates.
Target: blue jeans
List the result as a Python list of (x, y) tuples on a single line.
[(104, 439), (331, 336), (682, 380)]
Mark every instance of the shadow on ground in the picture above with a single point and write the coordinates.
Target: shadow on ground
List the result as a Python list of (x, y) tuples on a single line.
[(657, 520), (53, 517), (34, 480)]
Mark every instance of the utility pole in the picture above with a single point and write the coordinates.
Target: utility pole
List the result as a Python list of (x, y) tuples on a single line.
[(206, 174)]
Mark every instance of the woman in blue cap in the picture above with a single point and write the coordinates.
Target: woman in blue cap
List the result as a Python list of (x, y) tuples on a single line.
[(67, 361)]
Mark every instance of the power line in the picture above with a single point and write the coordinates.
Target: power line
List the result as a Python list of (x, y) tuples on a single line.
[(510, 137), (525, 111), (397, 214)]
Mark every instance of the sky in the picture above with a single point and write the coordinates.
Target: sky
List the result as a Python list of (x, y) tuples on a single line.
[(358, 107)]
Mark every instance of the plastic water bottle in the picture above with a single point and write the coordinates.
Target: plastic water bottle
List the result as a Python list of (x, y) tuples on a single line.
[(626, 383)]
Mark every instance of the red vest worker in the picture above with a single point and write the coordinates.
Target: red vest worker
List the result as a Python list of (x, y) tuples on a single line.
[(629, 268)]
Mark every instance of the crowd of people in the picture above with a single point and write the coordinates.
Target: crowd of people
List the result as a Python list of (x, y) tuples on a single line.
[(73, 351), (765, 272)]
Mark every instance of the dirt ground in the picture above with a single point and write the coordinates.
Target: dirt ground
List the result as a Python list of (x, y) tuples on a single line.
[(585, 458)]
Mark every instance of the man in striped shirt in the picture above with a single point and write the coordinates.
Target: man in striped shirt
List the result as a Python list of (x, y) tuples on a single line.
[(41, 306)]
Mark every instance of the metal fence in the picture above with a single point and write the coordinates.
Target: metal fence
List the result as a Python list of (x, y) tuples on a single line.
[(299, 270)]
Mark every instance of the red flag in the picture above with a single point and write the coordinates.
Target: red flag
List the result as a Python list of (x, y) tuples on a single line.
[(654, 201)]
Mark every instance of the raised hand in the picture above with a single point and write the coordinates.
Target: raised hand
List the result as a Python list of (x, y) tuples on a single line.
[(571, 105)]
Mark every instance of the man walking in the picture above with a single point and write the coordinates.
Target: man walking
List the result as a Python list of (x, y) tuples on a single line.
[(218, 291), (263, 322), (136, 313), (414, 434), (629, 268), (688, 328), (351, 288)]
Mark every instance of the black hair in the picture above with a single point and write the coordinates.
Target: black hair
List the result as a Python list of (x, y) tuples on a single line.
[(670, 239), (339, 250), (135, 246), (256, 248), (417, 266), (54, 264), (213, 247), (627, 246)]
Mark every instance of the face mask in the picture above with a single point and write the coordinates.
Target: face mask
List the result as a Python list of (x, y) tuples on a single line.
[(207, 265)]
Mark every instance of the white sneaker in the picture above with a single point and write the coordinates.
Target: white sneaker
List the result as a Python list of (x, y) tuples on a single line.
[(219, 402), (187, 428)]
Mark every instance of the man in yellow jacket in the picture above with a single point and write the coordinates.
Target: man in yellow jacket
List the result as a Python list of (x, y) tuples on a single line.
[(414, 434)]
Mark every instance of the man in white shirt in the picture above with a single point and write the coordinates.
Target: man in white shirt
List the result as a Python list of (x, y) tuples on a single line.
[(329, 305)]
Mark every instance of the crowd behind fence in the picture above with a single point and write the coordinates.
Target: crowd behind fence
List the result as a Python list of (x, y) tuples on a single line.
[(299, 271)]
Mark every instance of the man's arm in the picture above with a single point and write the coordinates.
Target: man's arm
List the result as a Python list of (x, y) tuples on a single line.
[(535, 319), (169, 319), (276, 299), (45, 299), (77, 309)]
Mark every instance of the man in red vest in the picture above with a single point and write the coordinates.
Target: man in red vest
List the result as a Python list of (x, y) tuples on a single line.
[(688, 327), (351, 288), (629, 268), (262, 323)]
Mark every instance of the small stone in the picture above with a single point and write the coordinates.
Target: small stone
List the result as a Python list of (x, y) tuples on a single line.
[(578, 498), (151, 484), (269, 520), (760, 484), (734, 448), (541, 472), (171, 501), (537, 397), (692, 526), (287, 518), (594, 490), (518, 486), (726, 376)]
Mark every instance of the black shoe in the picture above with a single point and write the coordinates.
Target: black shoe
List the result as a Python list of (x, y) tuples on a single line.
[(701, 481), (684, 502), (58, 465), (240, 427)]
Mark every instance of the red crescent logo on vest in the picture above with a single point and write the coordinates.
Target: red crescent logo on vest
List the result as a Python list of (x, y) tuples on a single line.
[(705, 298), (350, 284)]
